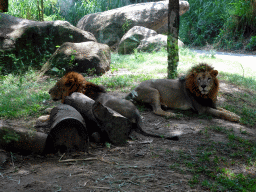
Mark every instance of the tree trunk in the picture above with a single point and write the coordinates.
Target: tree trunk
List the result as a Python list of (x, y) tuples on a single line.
[(3, 6), (172, 41)]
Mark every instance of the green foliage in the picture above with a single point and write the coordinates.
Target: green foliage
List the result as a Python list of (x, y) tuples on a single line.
[(224, 23), (202, 23), (240, 25), (21, 95), (252, 44), (9, 135), (28, 9), (26, 56)]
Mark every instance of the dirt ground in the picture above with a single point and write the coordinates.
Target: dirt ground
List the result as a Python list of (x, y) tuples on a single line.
[(143, 164)]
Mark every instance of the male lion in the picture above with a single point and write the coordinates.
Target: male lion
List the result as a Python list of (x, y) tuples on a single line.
[(197, 91), (75, 82)]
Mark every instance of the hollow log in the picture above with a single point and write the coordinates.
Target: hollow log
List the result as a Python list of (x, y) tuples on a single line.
[(68, 131)]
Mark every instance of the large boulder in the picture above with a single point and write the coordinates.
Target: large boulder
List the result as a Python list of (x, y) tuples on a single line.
[(31, 39), (142, 39), (86, 57), (109, 26)]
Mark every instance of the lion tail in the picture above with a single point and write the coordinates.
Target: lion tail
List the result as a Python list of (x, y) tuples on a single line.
[(139, 129), (133, 94)]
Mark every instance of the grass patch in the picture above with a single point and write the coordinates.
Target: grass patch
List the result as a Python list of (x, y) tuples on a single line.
[(22, 96), (216, 166)]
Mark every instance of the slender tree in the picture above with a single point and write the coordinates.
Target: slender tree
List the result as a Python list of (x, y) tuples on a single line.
[(172, 40), (3, 6)]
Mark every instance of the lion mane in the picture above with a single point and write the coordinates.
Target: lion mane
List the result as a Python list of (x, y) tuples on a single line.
[(192, 86), (74, 82)]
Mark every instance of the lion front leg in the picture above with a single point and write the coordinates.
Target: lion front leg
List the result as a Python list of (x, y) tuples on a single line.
[(224, 114)]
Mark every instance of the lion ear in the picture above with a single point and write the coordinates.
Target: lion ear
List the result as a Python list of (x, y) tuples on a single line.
[(214, 73), (69, 82)]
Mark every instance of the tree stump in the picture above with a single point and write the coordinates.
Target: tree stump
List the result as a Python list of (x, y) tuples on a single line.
[(108, 123), (68, 131)]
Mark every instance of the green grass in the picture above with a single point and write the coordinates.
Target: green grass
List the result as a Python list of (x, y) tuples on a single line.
[(216, 166), (22, 96)]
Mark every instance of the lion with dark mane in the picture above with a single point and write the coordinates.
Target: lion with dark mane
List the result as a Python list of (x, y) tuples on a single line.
[(75, 82), (197, 91)]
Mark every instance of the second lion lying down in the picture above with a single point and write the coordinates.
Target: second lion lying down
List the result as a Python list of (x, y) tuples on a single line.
[(75, 82), (197, 91)]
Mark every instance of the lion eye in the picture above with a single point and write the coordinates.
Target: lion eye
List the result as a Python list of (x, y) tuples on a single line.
[(209, 79)]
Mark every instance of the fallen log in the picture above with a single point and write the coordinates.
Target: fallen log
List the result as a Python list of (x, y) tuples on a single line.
[(110, 125), (83, 105), (21, 139)]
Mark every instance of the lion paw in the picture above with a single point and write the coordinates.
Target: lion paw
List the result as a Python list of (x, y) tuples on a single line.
[(236, 118), (164, 113)]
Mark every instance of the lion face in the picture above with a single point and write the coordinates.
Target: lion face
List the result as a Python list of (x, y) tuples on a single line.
[(202, 81), (205, 82), (68, 84)]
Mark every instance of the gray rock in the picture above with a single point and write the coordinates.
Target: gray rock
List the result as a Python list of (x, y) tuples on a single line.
[(15, 31), (109, 26), (143, 39), (88, 57), (29, 40)]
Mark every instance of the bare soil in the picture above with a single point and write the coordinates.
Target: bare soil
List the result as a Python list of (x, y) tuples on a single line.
[(143, 164)]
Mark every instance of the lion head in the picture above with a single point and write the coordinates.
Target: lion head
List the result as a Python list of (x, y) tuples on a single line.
[(202, 81), (74, 82)]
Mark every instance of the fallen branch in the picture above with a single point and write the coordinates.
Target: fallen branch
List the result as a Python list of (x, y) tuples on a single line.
[(87, 159)]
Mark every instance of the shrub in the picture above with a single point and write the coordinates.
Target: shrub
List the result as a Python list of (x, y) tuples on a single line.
[(252, 44)]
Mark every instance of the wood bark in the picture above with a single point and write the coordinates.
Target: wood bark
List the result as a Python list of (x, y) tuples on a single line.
[(110, 125), (172, 41), (21, 139)]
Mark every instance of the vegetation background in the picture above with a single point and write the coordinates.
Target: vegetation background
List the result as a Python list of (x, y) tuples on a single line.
[(228, 24), (218, 24)]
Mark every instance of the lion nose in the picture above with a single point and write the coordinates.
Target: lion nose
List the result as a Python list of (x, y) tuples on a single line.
[(203, 86), (49, 91)]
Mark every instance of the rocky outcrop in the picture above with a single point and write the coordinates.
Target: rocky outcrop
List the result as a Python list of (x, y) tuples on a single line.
[(16, 32), (142, 39), (108, 27), (87, 57), (28, 39)]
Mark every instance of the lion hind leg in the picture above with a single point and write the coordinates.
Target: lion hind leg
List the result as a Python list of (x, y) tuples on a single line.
[(151, 96)]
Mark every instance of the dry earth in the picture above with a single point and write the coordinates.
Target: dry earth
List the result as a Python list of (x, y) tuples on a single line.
[(143, 164)]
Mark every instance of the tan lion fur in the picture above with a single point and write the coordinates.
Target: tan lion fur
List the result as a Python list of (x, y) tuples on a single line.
[(197, 91)]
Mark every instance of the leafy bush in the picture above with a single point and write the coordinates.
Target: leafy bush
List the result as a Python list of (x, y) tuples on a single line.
[(28, 9), (252, 44), (224, 23), (240, 25), (202, 23)]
